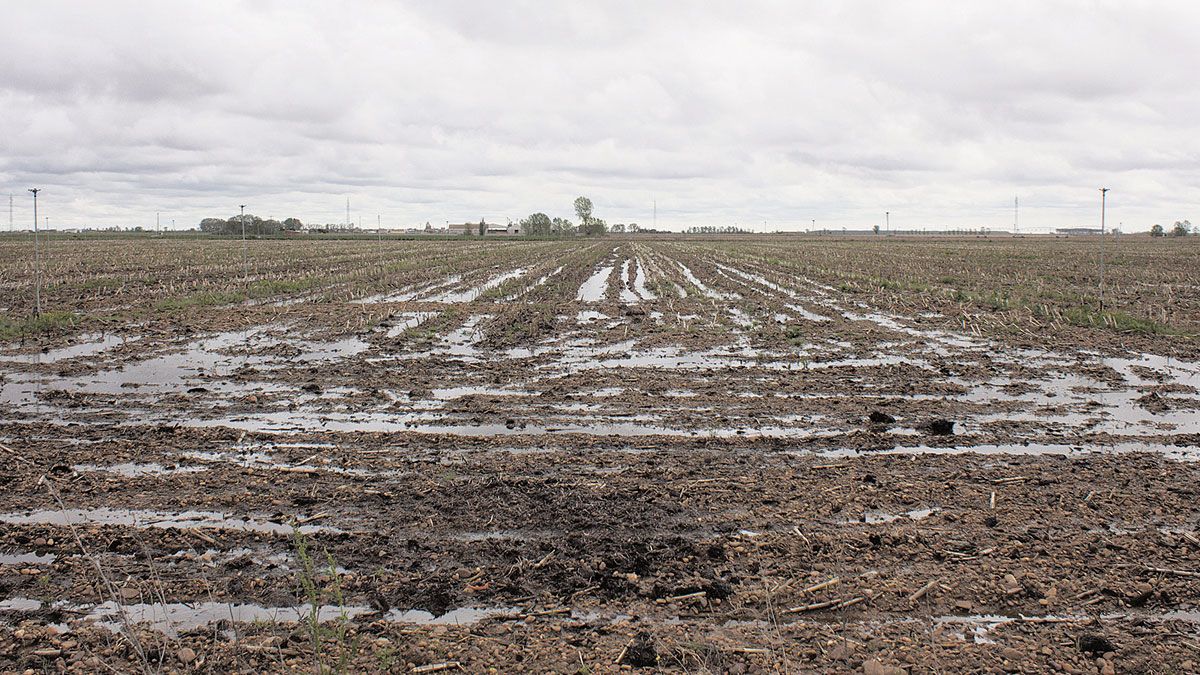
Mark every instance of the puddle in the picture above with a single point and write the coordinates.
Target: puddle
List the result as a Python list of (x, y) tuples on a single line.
[(740, 318), (205, 364), (27, 558), (708, 292), (408, 321), (1171, 451), (412, 292), (90, 344), (133, 469), (455, 617), (266, 461), (639, 283), (155, 519), (878, 517), (173, 618), (20, 605), (805, 314), (588, 316), (594, 288), (471, 294), (541, 281)]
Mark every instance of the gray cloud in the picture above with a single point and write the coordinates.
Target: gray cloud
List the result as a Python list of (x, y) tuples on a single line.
[(734, 112)]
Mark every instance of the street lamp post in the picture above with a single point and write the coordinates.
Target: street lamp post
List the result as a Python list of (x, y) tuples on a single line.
[(1103, 199), (37, 259), (245, 258), (887, 221)]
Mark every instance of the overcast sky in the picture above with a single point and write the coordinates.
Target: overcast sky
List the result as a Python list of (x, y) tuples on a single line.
[(722, 112)]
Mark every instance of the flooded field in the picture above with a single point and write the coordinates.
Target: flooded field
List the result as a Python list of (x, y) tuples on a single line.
[(761, 454)]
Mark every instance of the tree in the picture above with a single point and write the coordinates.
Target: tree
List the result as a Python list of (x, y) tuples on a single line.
[(562, 226), (594, 227), (875, 229), (617, 228), (292, 224), (583, 209), (213, 226), (1156, 230), (1181, 228), (537, 225), (482, 227)]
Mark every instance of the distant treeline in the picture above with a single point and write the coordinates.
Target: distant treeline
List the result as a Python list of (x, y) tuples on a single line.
[(715, 229), (255, 226)]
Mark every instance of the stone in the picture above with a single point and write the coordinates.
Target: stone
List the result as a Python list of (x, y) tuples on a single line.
[(876, 667)]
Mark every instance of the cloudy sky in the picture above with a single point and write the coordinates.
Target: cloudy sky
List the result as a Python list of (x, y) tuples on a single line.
[(721, 112)]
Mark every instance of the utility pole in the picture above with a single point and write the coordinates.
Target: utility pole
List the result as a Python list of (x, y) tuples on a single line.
[(347, 213), (37, 260), (655, 204), (10, 213), (1103, 199), (1016, 228), (887, 220), (245, 259)]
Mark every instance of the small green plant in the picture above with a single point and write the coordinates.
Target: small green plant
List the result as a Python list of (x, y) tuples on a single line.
[(46, 322), (339, 632)]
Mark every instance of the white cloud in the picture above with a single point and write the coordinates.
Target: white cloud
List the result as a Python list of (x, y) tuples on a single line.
[(741, 112)]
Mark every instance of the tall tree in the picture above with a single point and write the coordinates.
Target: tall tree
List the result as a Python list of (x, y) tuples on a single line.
[(583, 209)]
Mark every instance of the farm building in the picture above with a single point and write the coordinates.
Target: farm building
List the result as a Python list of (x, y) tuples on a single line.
[(510, 230)]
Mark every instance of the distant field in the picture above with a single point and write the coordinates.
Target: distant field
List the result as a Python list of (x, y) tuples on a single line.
[(761, 452), (994, 285)]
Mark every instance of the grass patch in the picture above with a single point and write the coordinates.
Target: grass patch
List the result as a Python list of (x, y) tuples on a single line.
[(206, 299), (269, 287), (1123, 322), (47, 322)]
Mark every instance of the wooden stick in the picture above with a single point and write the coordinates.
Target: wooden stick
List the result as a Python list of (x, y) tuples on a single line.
[(621, 656), (1178, 573), (922, 591), (437, 667), (850, 603), (811, 608), (15, 454), (824, 584)]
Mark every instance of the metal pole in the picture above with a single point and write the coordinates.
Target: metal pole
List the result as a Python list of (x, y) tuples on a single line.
[(887, 221), (245, 259), (1103, 199), (37, 260)]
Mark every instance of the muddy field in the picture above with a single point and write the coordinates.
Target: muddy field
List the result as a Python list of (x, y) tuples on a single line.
[(743, 455)]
